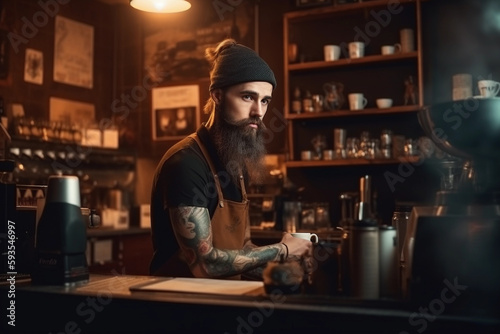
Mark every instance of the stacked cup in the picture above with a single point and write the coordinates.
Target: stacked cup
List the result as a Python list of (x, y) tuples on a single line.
[(462, 86), (407, 40), (331, 52), (356, 50)]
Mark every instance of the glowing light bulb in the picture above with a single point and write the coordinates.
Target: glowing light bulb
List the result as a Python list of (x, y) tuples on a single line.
[(161, 6)]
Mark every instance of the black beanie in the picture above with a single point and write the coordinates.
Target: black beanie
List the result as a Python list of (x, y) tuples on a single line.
[(237, 64)]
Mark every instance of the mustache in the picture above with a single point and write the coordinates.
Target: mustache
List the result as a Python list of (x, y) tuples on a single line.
[(245, 122)]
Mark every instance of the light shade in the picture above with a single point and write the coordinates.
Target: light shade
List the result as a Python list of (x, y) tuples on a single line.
[(161, 6)]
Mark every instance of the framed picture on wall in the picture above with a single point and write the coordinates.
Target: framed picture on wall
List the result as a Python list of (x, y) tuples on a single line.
[(73, 53), (175, 111)]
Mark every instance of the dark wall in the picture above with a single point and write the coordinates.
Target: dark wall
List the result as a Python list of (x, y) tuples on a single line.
[(32, 26)]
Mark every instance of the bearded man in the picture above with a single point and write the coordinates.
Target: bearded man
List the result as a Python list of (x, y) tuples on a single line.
[(199, 205)]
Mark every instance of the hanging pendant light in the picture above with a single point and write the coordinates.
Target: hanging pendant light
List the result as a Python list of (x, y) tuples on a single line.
[(161, 6)]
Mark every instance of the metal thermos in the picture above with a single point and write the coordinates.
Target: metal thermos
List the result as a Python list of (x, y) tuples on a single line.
[(364, 260)]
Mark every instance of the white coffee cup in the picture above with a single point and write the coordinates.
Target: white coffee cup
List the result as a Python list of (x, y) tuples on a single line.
[(306, 155), (384, 103), (331, 52), (390, 49), (488, 88), (356, 49), (357, 101), (328, 154), (307, 236)]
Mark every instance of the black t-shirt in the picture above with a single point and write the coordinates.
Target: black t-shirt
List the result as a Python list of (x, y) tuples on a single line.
[(185, 178)]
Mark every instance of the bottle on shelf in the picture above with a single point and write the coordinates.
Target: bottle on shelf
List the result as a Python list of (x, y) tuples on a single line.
[(307, 102), (296, 101)]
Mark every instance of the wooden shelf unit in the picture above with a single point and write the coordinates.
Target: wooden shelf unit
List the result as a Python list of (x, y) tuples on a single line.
[(308, 71)]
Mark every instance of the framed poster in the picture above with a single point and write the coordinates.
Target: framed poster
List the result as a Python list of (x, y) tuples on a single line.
[(73, 53), (33, 66), (175, 111)]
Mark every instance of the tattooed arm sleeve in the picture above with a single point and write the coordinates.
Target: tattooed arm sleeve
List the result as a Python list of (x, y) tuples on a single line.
[(193, 231)]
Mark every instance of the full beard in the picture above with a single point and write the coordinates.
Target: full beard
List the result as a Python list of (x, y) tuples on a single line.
[(240, 147)]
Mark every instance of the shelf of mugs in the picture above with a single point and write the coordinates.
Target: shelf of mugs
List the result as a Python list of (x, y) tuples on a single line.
[(347, 112), (350, 162), (344, 62)]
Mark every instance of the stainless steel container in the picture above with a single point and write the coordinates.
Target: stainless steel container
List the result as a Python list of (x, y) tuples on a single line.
[(364, 261)]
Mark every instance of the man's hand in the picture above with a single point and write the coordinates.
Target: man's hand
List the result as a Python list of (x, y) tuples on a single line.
[(297, 248)]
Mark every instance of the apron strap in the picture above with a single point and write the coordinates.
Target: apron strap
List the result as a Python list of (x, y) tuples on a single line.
[(212, 168), (243, 190)]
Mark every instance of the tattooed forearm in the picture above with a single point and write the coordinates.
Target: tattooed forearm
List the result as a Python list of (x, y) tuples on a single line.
[(231, 262), (254, 274), (193, 232)]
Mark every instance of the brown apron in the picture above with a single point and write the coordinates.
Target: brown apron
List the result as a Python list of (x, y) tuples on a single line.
[(229, 223)]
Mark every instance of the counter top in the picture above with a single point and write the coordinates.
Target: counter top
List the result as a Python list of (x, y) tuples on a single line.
[(106, 304)]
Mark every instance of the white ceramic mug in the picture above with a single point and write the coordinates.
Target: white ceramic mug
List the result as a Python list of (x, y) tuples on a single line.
[(488, 88), (357, 101), (331, 52), (391, 49), (328, 154), (356, 49), (384, 103), (306, 155), (307, 236)]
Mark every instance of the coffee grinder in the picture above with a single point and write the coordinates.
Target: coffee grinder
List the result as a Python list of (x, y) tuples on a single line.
[(61, 236), (451, 252)]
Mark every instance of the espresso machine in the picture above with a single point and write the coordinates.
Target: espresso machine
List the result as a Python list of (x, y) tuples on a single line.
[(451, 255)]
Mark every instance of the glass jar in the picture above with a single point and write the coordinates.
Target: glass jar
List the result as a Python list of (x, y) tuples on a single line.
[(400, 219), (322, 216)]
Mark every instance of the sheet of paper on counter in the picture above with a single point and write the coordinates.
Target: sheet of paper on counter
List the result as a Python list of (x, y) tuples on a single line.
[(202, 285)]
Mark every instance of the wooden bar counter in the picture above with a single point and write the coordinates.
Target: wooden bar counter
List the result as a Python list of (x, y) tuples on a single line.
[(107, 305)]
